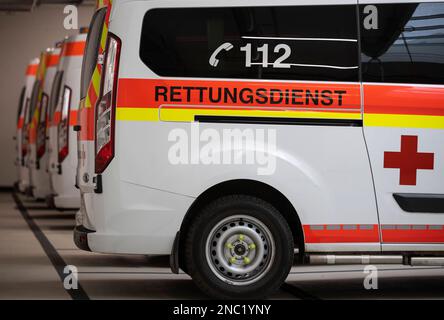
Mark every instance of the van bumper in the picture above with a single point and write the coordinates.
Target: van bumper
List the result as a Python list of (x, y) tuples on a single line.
[(67, 201), (132, 219), (81, 237)]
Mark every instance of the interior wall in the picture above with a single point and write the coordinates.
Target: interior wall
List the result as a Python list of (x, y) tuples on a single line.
[(22, 37)]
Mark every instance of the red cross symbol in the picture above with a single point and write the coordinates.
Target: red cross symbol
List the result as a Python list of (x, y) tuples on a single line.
[(408, 160)]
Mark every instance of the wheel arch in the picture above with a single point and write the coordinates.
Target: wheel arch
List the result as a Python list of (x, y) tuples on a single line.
[(246, 187)]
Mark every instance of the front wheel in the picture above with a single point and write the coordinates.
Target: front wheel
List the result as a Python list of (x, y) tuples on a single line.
[(239, 247)]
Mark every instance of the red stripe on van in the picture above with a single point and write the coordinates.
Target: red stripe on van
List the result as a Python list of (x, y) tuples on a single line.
[(92, 94), (31, 70), (20, 123), (341, 233), (87, 122), (74, 48), (73, 118), (337, 233), (413, 234), (140, 93), (408, 99), (57, 117), (53, 60), (33, 131), (48, 123)]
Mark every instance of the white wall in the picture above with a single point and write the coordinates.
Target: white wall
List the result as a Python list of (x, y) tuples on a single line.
[(22, 36)]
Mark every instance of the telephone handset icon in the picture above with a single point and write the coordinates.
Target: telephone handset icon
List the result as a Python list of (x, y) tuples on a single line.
[(225, 47)]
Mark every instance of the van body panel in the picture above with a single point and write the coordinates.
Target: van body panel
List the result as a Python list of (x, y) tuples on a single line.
[(38, 166), (22, 125), (66, 194), (37, 124)]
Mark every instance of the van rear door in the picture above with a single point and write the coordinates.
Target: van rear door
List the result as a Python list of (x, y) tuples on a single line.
[(54, 117), (18, 135), (89, 90)]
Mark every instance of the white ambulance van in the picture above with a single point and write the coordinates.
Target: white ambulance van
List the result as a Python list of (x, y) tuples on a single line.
[(18, 134), (234, 136), (53, 122), (38, 157), (23, 127), (62, 138), (20, 121)]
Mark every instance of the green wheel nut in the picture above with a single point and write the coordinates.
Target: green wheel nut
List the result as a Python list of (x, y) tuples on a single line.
[(252, 246), (232, 260), (229, 245), (247, 260)]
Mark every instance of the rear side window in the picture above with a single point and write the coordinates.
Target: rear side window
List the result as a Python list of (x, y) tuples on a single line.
[(55, 93), (25, 114), (297, 42), (403, 42), (21, 101), (91, 50)]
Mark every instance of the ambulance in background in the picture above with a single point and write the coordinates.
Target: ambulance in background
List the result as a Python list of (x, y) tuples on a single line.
[(23, 125), (17, 136), (342, 103), (62, 138), (53, 122), (38, 130)]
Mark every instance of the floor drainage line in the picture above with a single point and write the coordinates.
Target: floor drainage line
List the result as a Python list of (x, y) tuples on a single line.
[(55, 258)]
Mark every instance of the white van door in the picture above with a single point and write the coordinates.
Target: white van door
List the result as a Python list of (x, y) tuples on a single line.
[(89, 90), (403, 95)]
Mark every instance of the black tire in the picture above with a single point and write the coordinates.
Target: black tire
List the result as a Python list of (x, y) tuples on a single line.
[(195, 248)]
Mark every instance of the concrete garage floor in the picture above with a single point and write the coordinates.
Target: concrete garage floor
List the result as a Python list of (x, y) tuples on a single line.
[(36, 244)]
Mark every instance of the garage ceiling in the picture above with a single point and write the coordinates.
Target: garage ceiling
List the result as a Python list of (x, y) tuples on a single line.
[(28, 5)]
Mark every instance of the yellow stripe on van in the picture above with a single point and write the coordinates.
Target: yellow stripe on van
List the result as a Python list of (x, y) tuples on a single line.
[(404, 121), (188, 115), (137, 114), (96, 81), (87, 102), (104, 37)]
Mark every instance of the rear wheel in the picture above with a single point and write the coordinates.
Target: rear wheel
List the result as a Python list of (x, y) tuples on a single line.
[(239, 247)]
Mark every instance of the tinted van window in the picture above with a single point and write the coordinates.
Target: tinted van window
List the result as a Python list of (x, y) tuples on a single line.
[(405, 43), (298, 42), (55, 93), (91, 50), (21, 102)]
